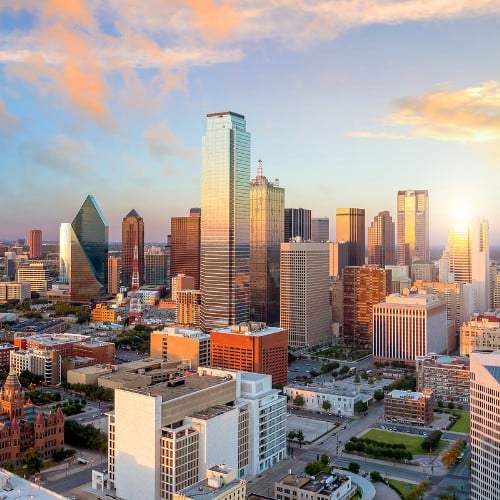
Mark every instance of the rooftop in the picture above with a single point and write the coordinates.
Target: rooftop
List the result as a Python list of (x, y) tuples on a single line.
[(253, 329), (12, 486), (406, 395), (323, 483), (213, 411)]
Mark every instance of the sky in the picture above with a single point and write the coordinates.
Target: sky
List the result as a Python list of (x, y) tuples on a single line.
[(347, 102)]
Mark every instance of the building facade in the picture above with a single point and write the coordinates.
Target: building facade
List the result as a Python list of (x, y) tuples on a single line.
[(481, 333), (225, 221), (381, 240), (132, 238), (12, 290), (323, 486), (36, 274), (156, 267), (304, 293), (410, 408), (35, 241), (320, 229), (339, 258), (350, 227), (114, 271), (297, 223), (46, 364), (187, 308)]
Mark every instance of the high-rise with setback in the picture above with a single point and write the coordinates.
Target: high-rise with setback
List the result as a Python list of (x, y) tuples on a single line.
[(132, 236), (225, 221), (35, 238), (350, 227), (381, 242)]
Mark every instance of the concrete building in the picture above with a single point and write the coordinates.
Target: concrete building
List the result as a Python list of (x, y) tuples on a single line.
[(104, 312), (410, 325), (400, 278), (320, 229), (36, 274), (411, 408), (338, 258), (221, 483), (47, 364), (163, 438), (304, 296), (267, 202), (35, 242), (481, 333), (181, 282), (114, 270), (484, 431), (447, 376), (424, 270), (350, 227), (63, 343), (88, 374), (187, 308), (156, 267), (381, 240), (181, 344), (12, 290), (363, 287), (333, 486), (251, 347)]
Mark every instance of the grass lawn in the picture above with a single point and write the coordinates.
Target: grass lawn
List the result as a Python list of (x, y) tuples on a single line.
[(463, 423), (413, 443), (402, 487)]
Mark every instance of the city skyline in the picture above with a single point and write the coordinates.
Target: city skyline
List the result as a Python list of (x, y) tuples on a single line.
[(343, 97)]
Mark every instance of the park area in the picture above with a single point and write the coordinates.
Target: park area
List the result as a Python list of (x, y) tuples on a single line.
[(462, 424)]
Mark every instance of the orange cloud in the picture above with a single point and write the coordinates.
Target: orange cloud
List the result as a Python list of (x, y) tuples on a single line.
[(73, 11), (467, 115), (375, 135)]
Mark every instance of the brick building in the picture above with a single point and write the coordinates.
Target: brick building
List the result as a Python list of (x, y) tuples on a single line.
[(412, 408)]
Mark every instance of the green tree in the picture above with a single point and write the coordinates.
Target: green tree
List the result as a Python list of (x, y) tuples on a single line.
[(300, 437), (326, 405), (378, 395), (357, 380), (375, 476), (299, 400), (440, 404), (354, 467), (312, 469), (451, 405), (324, 459), (419, 491), (32, 460), (360, 407)]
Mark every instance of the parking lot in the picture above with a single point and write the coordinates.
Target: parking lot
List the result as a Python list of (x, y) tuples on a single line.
[(311, 428)]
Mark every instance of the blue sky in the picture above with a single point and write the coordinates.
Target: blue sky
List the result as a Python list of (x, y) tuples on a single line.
[(347, 102)]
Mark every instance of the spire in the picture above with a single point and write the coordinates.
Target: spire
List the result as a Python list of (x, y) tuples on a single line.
[(259, 168), (132, 213), (39, 419)]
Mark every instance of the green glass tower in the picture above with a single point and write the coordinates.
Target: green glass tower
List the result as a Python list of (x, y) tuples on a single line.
[(89, 253)]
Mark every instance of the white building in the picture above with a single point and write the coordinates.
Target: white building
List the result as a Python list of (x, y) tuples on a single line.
[(41, 362), (164, 437), (36, 274), (12, 290), (485, 427), (304, 292), (410, 325)]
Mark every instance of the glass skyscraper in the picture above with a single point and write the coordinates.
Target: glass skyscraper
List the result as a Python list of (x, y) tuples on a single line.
[(89, 253), (225, 221), (132, 236), (65, 252)]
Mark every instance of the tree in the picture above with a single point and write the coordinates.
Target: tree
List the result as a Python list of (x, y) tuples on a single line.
[(326, 405), (312, 469), (419, 490), (354, 467), (324, 459), (357, 380), (299, 400), (375, 476), (32, 459), (451, 405), (300, 437), (440, 404), (360, 407), (292, 435), (379, 395)]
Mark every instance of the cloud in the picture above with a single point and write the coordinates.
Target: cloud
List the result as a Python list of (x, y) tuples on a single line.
[(376, 135), (7, 122), (163, 145), (466, 115)]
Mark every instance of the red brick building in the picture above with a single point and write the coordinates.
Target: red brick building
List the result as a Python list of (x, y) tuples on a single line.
[(102, 352), (252, 347), (25, 426)]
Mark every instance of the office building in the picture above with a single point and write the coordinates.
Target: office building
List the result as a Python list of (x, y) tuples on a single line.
[(251, 347), (409, 325), (88, 277), (114, 269), (484, 435), (339, 258), (363, 287), (320, 229), (409, 408), (35, 239), (65, 253), (468, 253), (424, 270), (185, 246), (297, 224), (480, 333), (400, 278), (156, 267), (106, 313), (181, 282), (132, 238), (163, 438), (413, 226), (181, 344), (381, 240), (323, 486), (225, 221), (304, 293), (46, 364), (12, 290), (267, 202), (447, 376), (36, 274), (350, 227), (187, 308)]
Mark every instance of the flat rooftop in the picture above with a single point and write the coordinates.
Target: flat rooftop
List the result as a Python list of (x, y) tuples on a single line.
[(252, 331), (335, 390), (213, 411), (12, 486), (322, 484), (406, 394), (202, 490)]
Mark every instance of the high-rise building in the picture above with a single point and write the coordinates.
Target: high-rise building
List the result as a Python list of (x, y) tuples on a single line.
[(253, 347), (35, 238), (320, 229), (65, 253), (297, 223), (407, 326), (132, 237), (363, 287), (381, 242), (185, 246), (468, 251), (304, 293), (114, 264), (36, 274), (267, 202), (225, 221), (481, 333), (424, 270), (88, 277), (350, 227), (484, 436), (181, 282), (339, 258), (156, 266), (413, 226)]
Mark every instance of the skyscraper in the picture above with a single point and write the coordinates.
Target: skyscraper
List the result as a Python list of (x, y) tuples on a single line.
[(35, 243), (267, 202), (114, 264), (89, 253), (350, 227), (381, 243), (320, 229), (185, 246), (132, 236), (65, 252), (413, 226), (225, 221), (468, 253), (297, 223)]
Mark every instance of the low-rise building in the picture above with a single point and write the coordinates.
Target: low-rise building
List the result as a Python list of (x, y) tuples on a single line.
[(321, 487), (103, 312), (481, 333), (46, 364), (407, 407), (12, 290), (447, 376)]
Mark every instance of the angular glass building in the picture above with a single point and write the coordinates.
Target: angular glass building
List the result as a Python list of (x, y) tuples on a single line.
[(225, 221), (89, 253)]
